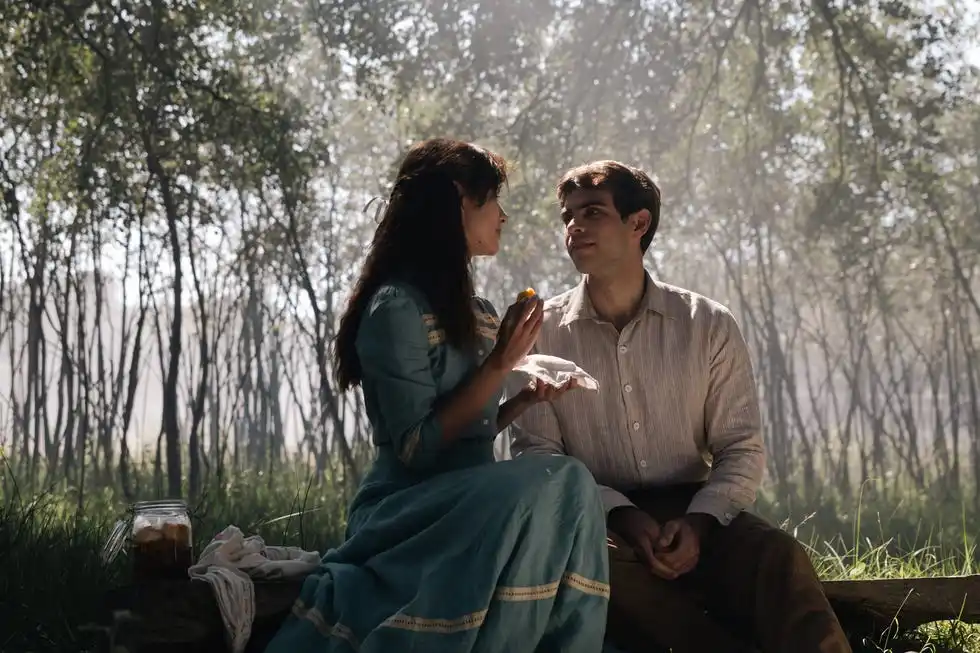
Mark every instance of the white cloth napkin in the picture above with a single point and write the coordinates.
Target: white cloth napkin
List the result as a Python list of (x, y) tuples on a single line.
[(555, 371), (229, 564)]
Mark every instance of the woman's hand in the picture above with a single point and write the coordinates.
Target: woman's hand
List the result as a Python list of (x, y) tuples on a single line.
[(529, 396), (518, 332), (540, 391)]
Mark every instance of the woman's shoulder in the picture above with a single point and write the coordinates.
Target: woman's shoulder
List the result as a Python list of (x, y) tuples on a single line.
[(487, 320), (399, 296), (395, 310), (405, 295), (400, 306), (484, 306)]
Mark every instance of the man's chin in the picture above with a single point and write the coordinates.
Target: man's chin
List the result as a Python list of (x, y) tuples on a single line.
[(581, 263)]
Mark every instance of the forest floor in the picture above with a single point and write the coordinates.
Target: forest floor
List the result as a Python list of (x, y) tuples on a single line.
[(53, 579)]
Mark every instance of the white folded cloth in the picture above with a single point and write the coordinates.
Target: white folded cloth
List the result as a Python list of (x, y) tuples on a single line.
[(555, 371), (231, 561)]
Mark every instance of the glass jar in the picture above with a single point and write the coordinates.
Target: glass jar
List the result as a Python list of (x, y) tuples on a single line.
[(160, 540), (157, 536)]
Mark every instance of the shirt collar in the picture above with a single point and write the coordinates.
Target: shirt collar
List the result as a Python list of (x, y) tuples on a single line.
[(579, 306)]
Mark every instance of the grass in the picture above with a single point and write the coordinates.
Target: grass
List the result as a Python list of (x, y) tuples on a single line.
[(53, 578)]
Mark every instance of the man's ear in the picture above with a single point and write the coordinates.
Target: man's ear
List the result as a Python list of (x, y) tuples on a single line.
[(641, 221)]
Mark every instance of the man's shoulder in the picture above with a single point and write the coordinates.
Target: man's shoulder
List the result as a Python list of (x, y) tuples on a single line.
[(681, 303), (555, 309), (556, 305)]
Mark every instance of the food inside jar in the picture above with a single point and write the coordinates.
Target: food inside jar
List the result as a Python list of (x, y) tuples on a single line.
[(161, 549)]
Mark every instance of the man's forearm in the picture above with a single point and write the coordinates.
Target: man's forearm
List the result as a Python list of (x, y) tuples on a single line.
[(534, 429), (731, 489), (612, 499), (733, 426)]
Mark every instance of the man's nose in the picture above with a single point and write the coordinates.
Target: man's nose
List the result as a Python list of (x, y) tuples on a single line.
[(572, 227)]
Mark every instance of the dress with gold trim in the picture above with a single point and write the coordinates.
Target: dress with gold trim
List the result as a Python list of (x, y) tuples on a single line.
[(447, 550)]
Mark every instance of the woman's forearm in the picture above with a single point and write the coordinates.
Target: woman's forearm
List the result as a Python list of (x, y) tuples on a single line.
[(511, 410), (466, 404)]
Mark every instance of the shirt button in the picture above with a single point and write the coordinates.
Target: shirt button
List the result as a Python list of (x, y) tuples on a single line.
[(479, 352), (628, 388), (486, 422), (643, 463), (622, 349), (636, 426)]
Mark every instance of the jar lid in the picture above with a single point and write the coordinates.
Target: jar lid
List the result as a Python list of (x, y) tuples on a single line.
[(158, 506)]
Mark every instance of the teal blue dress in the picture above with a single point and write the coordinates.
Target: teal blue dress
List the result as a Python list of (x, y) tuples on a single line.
[(448, 551)]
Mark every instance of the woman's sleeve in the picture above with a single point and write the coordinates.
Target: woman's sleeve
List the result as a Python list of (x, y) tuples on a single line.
[(487, 323), (393, 348)]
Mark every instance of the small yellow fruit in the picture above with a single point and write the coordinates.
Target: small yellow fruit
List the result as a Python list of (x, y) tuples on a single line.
[(524, 294)]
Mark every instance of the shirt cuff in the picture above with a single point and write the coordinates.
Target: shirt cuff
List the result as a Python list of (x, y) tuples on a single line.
[(612, 499), (714, 504)]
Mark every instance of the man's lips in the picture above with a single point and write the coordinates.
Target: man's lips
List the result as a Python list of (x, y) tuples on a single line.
[(575, 246)]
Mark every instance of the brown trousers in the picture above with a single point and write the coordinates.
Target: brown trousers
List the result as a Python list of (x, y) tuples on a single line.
[(754, 589)]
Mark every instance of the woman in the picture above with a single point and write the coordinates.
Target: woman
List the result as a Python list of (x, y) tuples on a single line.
[(446, 550)]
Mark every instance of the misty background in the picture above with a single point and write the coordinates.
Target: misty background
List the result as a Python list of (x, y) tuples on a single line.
[(185, 189)]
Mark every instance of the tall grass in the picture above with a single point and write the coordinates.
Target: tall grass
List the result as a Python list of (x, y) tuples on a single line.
[(52, 580)]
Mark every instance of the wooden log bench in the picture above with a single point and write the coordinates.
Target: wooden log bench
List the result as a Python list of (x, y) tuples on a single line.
[(875, 605), (182, 615)]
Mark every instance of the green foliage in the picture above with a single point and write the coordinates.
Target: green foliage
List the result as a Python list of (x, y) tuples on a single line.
[(820, 174), (46, 532), (45, 537)]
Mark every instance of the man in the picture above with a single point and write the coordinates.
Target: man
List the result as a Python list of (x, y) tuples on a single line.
[(674, 439)]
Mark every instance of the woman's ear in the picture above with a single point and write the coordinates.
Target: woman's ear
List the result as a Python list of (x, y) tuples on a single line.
[(462, 197)]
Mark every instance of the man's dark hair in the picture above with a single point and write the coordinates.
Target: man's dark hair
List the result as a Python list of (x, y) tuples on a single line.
[(632, 190)]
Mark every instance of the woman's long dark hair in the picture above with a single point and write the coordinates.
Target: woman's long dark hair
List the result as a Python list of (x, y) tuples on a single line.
[(421, 240)]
